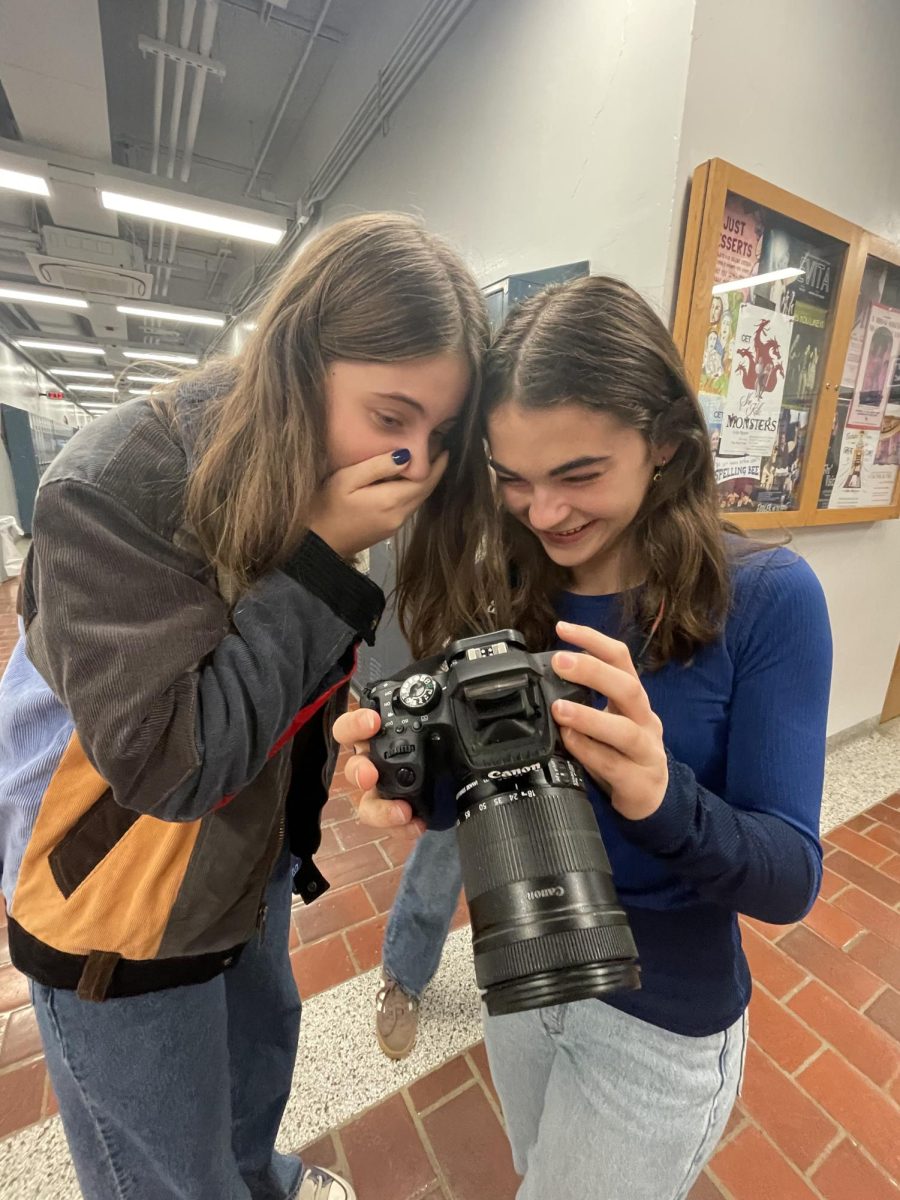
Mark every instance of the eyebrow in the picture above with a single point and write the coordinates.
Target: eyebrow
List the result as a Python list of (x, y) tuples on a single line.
[(403, 399), (576, 464)]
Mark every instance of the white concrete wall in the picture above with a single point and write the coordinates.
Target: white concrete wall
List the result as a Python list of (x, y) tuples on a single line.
[(548, 132), (820, 119)]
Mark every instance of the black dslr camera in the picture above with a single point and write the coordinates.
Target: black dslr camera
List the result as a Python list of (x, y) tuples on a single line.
[(547, 926)]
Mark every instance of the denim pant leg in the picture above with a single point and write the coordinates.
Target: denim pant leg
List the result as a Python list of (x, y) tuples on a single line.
[(148, 1086), (600, 1104), (422, 911), (144, 1092), (263, 1031)]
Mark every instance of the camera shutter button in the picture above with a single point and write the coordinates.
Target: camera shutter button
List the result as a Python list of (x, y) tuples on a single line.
[(406, 776)]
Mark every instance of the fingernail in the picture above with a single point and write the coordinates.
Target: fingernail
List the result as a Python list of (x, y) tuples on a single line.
[(398, 816), (565, 625), (562, 708), (401, 457), (564, 660)]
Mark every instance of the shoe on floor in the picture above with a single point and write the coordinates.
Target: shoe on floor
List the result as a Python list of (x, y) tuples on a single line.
[(396, 1020), (316, 1184)]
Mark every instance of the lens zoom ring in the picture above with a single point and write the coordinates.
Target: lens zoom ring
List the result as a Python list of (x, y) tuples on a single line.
[(550, 834), (565, 948)]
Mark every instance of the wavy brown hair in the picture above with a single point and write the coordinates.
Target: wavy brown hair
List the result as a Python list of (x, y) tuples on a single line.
[(375, 288), (595, 342)]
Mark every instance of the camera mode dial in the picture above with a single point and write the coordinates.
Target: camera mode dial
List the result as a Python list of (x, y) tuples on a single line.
[(419, 693)]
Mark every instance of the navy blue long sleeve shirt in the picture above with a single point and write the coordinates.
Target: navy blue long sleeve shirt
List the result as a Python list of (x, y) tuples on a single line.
[(737, 831)]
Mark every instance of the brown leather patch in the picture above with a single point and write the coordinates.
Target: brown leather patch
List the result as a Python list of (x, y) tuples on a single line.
[(89, 841)]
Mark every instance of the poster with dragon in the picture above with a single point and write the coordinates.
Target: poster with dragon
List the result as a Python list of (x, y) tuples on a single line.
[(756, 385)]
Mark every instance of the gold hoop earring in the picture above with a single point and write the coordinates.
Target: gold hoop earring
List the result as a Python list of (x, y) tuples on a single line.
[(657, 475)]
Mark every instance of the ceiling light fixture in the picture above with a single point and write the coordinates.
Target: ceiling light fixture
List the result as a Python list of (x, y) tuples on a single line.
[(37, 296), (167, 314), (74, 373), (18, 181), (92, 387), (147, 378), (60, 347), (184, 360), (191, 218), (139, 391)]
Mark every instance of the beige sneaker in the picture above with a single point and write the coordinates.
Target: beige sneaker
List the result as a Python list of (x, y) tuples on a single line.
[(396, 1019), (316, 1184)]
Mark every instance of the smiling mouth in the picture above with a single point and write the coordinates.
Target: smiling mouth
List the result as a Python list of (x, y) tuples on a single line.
[(566, 534)]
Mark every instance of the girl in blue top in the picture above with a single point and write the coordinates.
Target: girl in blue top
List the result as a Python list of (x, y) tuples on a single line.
[(709, 657)]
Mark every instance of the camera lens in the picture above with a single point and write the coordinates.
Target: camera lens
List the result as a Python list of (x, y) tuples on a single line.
[(547, 926)]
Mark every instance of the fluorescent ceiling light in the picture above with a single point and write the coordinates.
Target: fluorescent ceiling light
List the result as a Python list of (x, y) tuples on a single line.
[(60, 347), (74, 373), (250, 326), (37, 296), (184, 360), (139, 391), (99, 406), (168, 314), (734, 285), (191, 218), (91, 387), (17, 181), (147, 378)]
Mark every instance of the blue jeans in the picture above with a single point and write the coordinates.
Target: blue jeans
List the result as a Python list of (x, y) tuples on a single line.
[(599, 1103), (422, 911), (178, 1095)]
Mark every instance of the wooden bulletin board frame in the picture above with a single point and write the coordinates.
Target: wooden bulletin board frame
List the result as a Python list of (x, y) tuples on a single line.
[(710, 185)]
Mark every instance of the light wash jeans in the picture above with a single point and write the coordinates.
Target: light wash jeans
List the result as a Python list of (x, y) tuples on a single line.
[(603, 1105), (423, 909), (178, 1094)]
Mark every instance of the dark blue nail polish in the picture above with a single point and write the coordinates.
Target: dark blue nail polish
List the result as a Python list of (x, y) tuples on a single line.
[(401, 457)]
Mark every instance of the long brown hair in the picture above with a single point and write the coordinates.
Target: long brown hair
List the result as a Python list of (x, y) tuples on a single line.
[(595, 342), (374, 288)]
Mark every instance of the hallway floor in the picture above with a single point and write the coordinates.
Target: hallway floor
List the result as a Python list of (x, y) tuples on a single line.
[(820, 1114)]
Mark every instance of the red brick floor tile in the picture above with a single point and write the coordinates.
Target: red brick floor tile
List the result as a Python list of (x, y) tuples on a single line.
[(365, 942), (885, 1012), (440, 1083), (478, 1055), (338, 808), (322, 1153), (752, 1169), (51, 1104), (774, 970), (386, 1155), (461, 915), (857, 845), (398, 845), (849, 979), (354, 833), (847, 1174), (858, 824), (886, 814), (831, 884), (770, 932), (879, 957), (779, 1107), (329, 845), (14, 991), (832, 924), (885, 836), (321, 966), (21, 1039), (872, 913), (705, 1189), (383, 888), (891, 867), (788, 1042), (335, 911), (353, 866), (864, 1112), (472, 1149), (852, 1034), (876, 883), (21, 1097), (893, 801)]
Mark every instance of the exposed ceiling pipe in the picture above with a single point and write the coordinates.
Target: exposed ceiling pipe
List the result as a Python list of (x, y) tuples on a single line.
[(207, 31), (187, 24), (286, 94), (162, 18)]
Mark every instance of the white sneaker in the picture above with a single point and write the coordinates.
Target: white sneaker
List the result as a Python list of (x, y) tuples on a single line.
[(316, 1184)]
